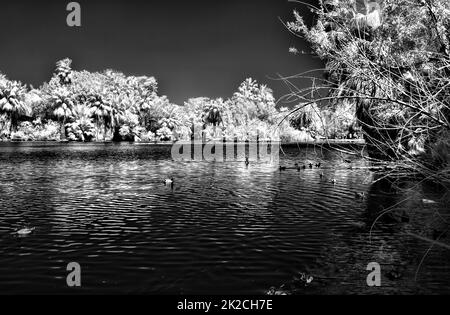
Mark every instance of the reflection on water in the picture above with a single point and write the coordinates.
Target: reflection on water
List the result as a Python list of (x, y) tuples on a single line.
[(223, 228)]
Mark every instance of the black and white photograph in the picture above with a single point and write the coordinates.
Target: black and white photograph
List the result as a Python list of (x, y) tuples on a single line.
[(210, 148)]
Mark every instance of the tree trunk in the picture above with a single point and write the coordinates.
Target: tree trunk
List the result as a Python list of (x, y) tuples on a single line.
[(63, 130), (104, 132), (116, 136), (97, 131), (204, 134), (10, 125)]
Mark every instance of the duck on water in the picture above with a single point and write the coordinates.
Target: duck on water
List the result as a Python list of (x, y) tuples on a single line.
[(169, 181), (25, 231)]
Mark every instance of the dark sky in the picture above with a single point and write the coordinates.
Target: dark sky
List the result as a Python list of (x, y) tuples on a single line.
[(193, 47)]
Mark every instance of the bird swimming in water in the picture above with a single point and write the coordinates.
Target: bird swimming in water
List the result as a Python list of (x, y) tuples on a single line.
[(333, 181), (394, 275), (318, 165), (360, 195), (169, 181), (304, 167), (26, 231), (274, 291), (307, 279), (310, 165), (321, 175), (428, 201)]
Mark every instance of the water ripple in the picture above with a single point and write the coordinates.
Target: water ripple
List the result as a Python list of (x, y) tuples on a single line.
[(222, 228)]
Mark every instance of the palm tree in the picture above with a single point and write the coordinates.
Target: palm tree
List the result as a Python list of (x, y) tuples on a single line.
[(117, 114), (146, 85), (64, 71), (12, 104), (212, 116), (82, 126), (172, 119), (101, 112), (61, 107)]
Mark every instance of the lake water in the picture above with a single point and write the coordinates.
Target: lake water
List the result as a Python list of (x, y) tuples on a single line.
[(223, 228)]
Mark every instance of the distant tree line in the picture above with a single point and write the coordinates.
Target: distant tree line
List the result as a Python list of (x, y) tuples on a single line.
[(108, 105)]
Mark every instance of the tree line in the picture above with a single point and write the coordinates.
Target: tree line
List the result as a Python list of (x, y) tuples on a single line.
[(108, 105)]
